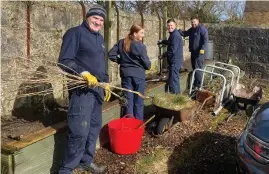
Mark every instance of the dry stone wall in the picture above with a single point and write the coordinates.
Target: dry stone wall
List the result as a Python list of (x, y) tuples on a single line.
[(257, 13), (246, 47)]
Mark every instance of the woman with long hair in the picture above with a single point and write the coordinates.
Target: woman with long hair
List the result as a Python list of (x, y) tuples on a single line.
[(131, 54)]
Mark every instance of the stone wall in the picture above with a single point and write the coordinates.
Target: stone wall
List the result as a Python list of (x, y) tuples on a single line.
[(152, 26), (48, 23), (257, 13), (248, 48)]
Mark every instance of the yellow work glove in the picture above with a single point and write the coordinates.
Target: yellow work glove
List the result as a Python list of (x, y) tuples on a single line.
[(202, 51), (107, 93), (92, 81)]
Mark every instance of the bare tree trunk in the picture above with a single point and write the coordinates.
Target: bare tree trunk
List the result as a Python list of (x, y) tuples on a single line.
[(118, 20)]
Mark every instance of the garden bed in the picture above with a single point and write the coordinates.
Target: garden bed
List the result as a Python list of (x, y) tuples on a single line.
[(41, 146), (16, 127)]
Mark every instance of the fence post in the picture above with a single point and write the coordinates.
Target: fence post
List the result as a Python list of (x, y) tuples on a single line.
[(118, 20), (83, 9), (28, 28), (164, 34), (107, 31)]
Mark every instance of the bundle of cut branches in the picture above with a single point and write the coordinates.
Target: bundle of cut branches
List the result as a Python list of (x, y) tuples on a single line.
[(34, 77)]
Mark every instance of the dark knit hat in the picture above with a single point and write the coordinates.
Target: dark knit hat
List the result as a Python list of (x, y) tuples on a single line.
[(97, 10)]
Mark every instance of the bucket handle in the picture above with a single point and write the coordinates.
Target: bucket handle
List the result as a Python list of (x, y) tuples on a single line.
[(125, 116)]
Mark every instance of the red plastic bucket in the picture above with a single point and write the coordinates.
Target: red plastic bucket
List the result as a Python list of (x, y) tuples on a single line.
[(124, 135)]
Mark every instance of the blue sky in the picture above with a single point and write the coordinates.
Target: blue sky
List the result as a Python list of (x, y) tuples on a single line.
[(240, 11)]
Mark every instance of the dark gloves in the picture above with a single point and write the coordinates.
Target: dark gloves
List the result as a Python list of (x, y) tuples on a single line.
[(163, 56), (164, 42)]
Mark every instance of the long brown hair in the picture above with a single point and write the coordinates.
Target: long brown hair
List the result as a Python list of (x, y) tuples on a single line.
[(127, 40)]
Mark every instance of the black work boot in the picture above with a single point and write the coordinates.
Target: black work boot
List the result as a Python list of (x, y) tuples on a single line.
[(93, 168)]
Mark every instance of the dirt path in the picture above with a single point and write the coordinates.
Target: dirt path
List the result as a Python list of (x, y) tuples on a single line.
[(201, 146)]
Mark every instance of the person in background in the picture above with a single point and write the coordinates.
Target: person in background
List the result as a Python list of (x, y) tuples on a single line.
[(131, 54), (174, 55), (83, 53), (198, 39)]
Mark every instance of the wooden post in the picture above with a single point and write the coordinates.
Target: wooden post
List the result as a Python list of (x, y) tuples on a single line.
[(142, 21), (160, 25), (118, 20), (28, 29), (164, 33), (107, 31), (83, 10)]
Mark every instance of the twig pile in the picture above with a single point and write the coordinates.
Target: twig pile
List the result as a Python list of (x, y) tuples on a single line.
[(35, 77)]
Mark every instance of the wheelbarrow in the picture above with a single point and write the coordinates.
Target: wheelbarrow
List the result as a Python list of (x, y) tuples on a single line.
[(220, 100), (166, 118), (224, 96), (246, 97)]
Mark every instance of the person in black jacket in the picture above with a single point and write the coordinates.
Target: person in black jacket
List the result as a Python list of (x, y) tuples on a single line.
[(83, 53), (174, 56), (132, 56), (198, 39)]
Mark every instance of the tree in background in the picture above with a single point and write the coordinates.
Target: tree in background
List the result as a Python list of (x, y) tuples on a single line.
[(207, 11), (234, 12)]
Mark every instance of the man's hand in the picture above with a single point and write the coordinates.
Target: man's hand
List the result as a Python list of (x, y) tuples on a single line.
[(202, 51), (107, 93), (92, 81)]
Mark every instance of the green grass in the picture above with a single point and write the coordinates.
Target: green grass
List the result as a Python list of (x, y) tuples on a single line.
[(172, 101), (146, 162), (219, 118)]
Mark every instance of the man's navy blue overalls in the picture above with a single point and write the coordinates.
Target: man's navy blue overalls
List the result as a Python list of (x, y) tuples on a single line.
[(174, 56), (83, 50), (132, 72), (198, 39)]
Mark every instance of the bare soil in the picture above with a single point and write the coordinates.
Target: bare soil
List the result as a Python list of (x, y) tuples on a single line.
[(194, 146), (204, 145), (15, 128)]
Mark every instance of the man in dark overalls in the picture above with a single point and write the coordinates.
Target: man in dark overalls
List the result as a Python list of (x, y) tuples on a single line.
[(174, 56), (83, 53), (198, 39)]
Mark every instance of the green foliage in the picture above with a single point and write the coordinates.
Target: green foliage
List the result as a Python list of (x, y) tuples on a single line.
[(180, 99), (172, 101)]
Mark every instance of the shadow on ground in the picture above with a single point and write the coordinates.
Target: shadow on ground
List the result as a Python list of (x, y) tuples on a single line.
[(204, 152)]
